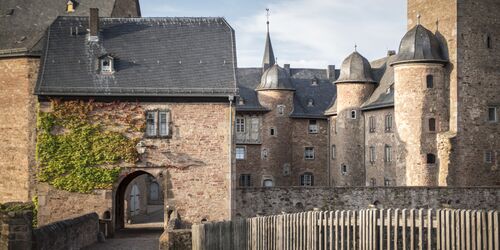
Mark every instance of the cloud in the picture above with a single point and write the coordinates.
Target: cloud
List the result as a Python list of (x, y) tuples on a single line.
[(315, 33)]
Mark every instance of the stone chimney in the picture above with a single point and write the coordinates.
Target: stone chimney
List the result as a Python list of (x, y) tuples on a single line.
[(391, 52), (287, 68), (330, 72), (94, 24)]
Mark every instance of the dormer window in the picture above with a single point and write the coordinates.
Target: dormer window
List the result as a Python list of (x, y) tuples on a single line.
[(310, 102), (70, 6), (241, 101), (107, 65), (314, 81)]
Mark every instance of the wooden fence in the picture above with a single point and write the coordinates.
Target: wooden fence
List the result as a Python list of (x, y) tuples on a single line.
[(361, 229)]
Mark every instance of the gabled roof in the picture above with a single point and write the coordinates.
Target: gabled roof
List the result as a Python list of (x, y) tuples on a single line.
[(383, 96), (23, 22), (152, 57)]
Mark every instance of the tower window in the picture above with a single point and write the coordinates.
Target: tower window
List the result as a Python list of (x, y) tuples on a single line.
[(240, 125), (245, 180), (432, 125), (343, 169), (310, 103), (334, 152), (268, 183), (388, 123), (430, 81), (353, 114), (431, 159), (107, 64), (281, 109), (372, 124), (309, 153), (372, 154), (489, 45), (313, 127), (489, 157), (492, 114), (387, 153), (240, 153), (272, 132), (307, 179)]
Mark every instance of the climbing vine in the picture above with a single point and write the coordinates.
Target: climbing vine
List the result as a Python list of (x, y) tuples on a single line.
[(81, 145)]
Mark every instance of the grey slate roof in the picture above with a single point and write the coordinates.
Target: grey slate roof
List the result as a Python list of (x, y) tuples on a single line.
[(355, 68), (383, 95), (23, 22), (419, 45), (301, 80), (268, 60), (152, 57), (275, 77)]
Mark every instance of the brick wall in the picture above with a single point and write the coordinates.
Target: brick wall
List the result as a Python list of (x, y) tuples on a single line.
[(268, 201), (17, 119)]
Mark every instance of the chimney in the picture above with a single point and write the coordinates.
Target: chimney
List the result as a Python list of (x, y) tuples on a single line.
[(330, 72), (287, 68), (391, 52), (94, 24)]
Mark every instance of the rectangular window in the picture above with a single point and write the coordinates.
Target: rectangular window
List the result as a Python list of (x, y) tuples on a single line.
[(151, 123), (387, 182), (306, 179), (492, 114), (245, 180), (163, 123), (281, 109), (240, 153), (388, 153), (309, 153), (272, 131), (432, 125), (388, 123), (372, 124), (334, 152), (372, 154), (489, 157), (240, 125), (354, 114), (313, 127)]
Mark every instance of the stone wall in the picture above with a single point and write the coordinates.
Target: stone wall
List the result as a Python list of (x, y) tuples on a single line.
[(16, 230), (176, 239), (17, 119), (73, 233), (268, 201)]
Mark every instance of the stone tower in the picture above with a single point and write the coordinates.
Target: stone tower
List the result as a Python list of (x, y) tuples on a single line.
[(354, 87), (421, 105), (275, 92)]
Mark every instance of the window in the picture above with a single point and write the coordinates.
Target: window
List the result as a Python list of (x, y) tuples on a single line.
[(313, 127), (373, 182), (157, 123), (387, 153), (307, 179), (489, 157), (314, 81), (431, 159), (272, 131), (241, 101), (430, 81), (310, 103), (245, 180), (343, 169), (432, 125), (286, 169), (353, 114), (334, 152), (489, 45), (388, 123), (240, 125), (309, 153), (107, 64), (372, 154), (281, 109), (267, 183), (387, 182), (264, 154), (154, 189), (492, 114), (372, 124), (240, 153)]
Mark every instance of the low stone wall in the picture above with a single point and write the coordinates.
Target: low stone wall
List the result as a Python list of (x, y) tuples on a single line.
[(250, 202), (67, 234), (15, 228), (176, 239)]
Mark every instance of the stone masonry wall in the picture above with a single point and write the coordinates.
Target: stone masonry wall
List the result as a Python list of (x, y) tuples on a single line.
[(16, 230), (269, 201), (17, 129)]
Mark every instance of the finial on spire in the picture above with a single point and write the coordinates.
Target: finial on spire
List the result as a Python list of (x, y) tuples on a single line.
[(267, 17), (418, 18), (355, 47)]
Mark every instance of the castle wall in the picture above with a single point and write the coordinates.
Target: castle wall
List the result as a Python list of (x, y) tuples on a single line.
[(350, 134), (17, 127), (381, 170)]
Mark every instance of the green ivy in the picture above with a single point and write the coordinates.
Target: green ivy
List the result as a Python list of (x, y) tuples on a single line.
[(76, 155), (34, 223), (15, 207)]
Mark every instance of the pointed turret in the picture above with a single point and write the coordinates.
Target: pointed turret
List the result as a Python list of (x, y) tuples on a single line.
[(268, 60)]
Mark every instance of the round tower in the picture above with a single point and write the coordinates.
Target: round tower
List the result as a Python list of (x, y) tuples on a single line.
[(275, 92), (420, 105), (354, 86)]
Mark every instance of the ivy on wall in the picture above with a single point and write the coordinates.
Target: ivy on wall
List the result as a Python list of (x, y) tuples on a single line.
[(80, 145)]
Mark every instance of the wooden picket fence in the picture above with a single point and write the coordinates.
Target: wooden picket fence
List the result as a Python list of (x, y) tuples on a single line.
[(361, 229)]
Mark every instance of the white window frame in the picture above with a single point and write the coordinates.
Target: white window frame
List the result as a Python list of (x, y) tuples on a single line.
[(306, 179), (388, 153), (489, 157), (109, 68), (388, 122), (373, 155), (155, 129), (241, 152), (353, 114), (334, 152), (267, 180), (372, 123), (240, 124), (163, 128), (313, 127), (309, 153), (151, 128)]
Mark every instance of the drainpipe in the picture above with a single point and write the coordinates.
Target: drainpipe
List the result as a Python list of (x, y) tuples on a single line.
[(329, 146), (231, 167)]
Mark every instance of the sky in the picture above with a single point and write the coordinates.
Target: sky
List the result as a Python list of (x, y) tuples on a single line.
[(304, 33)]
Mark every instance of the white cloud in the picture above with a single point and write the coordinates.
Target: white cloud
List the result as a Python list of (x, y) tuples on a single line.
[(315, 33)]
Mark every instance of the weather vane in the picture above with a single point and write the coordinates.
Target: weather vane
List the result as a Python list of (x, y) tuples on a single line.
[(355, 47), (418, 18), (267, 17)]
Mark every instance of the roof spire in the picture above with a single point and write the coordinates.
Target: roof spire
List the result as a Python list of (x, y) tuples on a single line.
[(356, 47), (269, 59), (418, 18)]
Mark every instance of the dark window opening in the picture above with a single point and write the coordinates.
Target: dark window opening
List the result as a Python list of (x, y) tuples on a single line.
[(431, 159), (430, 81), (432, 124), (272, 132), (245, 180), (492, 114), (488, 42), (344, 169), (307, 179)]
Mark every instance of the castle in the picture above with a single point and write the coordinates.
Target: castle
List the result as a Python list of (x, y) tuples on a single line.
[(185, 115)]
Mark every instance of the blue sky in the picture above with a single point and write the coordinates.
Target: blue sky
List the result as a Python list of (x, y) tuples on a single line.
[(305, 33)]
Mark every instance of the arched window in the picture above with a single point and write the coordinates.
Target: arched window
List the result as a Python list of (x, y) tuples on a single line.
[(268, 183), (431, 159), (432, 125), (154, 190), (430, 81), (307, 179), (353, 114)]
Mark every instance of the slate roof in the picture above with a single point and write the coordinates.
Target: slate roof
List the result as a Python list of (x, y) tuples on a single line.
[(355, 69), (152, 57), (301, 80), (419, 45), (23, 22), (383, 73)]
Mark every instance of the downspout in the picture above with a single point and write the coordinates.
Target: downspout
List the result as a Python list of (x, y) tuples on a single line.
[(329, 146), (231, 167)]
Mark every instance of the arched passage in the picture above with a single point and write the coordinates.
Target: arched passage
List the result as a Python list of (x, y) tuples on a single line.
[(135, 192)]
